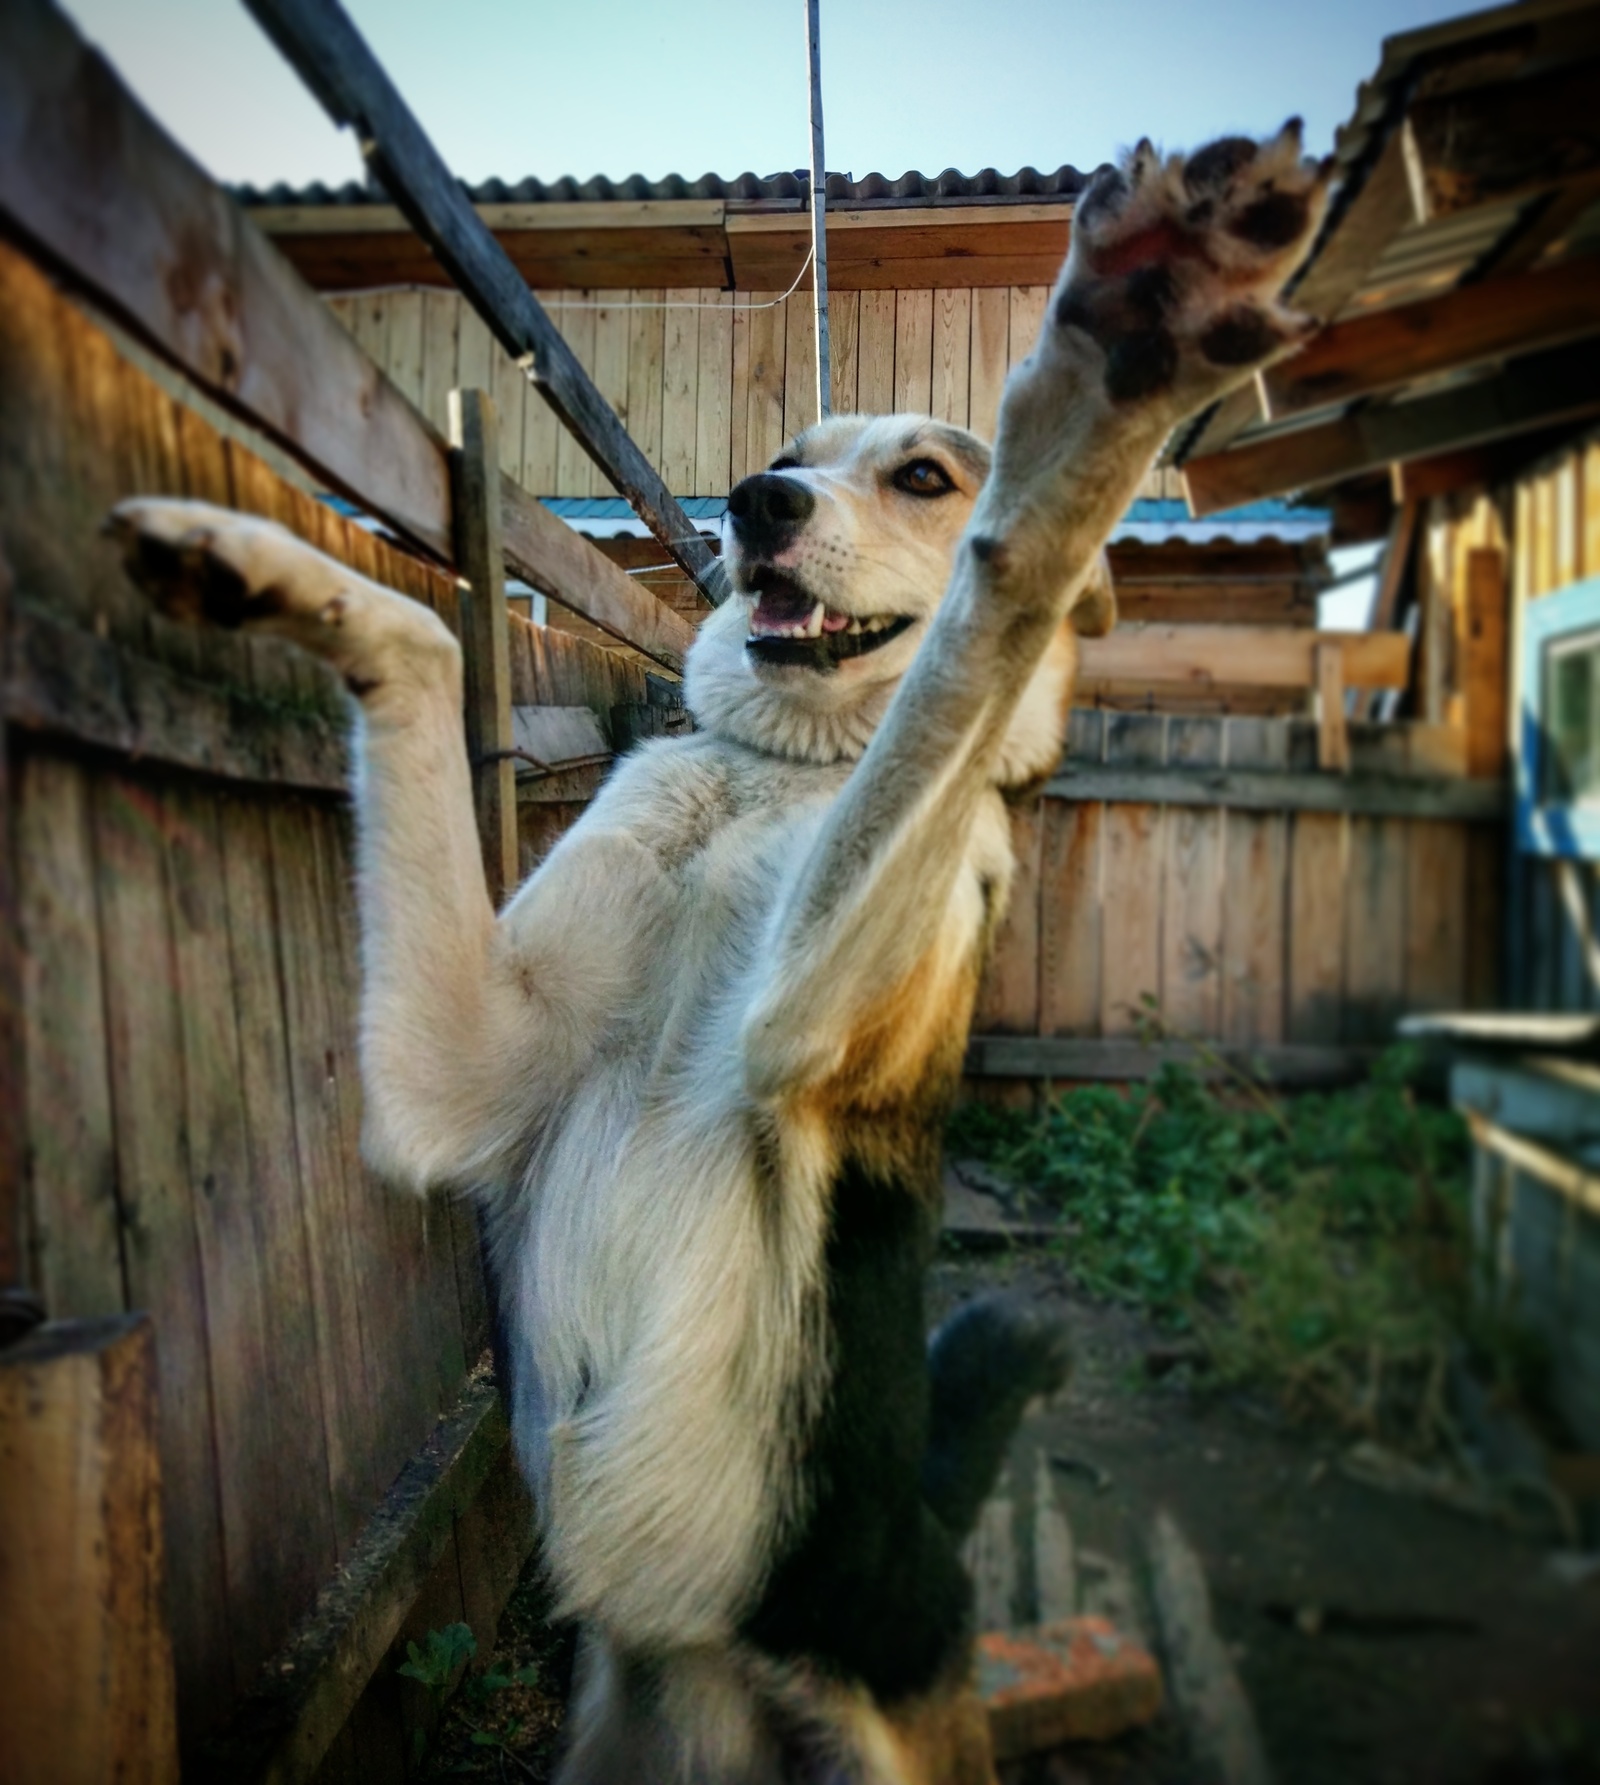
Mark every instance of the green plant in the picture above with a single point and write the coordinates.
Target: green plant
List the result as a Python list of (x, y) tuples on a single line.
[(435, 1665), (1316, 1245), (436, 1662)]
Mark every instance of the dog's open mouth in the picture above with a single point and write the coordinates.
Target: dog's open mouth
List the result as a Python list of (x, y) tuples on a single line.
[(788, 626)]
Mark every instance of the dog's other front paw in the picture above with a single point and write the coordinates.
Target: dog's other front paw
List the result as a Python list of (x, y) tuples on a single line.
[(197, 562), (1177, 262), (204, 564)]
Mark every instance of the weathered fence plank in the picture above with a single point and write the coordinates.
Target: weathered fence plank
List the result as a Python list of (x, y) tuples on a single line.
[(291, 1722), (1130, 936), (74, 1221), (162, 1257), (1316, 927), (548, 554), (306, 1549), (13, 1103), (1070, 952), (86, 1684)]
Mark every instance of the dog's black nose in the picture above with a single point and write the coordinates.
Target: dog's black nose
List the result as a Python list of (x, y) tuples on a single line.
[(768, 507)]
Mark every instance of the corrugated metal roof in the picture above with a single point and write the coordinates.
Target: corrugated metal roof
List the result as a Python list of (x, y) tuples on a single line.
[(781, 190), (1148, 522)]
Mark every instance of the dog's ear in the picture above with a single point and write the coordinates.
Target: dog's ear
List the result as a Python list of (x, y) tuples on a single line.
[(1094, 613)]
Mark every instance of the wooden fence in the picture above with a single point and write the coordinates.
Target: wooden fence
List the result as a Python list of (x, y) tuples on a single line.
[(1205, 869)]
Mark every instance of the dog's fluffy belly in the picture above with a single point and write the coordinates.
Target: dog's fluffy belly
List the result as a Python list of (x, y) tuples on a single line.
[(667, 1297)]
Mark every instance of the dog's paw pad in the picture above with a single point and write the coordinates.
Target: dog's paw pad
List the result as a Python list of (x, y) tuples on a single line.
[(1177, 263), (195, 563)]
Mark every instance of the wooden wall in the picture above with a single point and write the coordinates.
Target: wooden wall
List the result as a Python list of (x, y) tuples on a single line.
[(710, 391), (1251, 928), (190, 1095), (1553, 518)]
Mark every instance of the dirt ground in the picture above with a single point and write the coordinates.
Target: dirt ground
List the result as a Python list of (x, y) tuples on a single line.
[(1379, 1639)]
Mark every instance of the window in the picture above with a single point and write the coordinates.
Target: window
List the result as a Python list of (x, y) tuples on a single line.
[(1558, 768)]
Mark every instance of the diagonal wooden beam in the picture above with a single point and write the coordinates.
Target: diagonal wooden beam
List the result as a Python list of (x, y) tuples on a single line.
[(557, 560), (1561, 384), (323, 45), (1459, 329)]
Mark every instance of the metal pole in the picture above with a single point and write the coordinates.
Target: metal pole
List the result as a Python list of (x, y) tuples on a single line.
[(819, 210)]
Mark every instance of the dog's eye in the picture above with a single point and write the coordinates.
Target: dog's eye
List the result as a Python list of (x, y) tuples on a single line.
[(923, 477), (784, 464)]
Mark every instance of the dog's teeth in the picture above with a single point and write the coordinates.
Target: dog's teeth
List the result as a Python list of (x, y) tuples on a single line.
[(813, 626), (854, 626)]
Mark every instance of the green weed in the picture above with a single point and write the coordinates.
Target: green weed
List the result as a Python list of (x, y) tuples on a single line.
[(1316, 1245), (435, 1665)]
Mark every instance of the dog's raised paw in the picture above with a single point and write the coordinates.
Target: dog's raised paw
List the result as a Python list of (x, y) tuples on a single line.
[(1177, 263), (199, 563)]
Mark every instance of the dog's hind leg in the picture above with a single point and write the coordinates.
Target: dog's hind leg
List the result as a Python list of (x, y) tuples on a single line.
[(985, 1364), (1168, 299)]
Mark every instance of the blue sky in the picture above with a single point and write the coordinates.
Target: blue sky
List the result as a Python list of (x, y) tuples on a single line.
[(618, 86)]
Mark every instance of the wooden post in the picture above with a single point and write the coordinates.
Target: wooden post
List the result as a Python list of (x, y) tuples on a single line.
[(819, 212), (1333, 735), (480, 560), (1486, 666), (86, 1682), (11, 1104)]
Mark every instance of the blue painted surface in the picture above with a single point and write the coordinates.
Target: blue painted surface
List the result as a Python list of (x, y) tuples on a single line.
[(1146, 511), (1551, 828)]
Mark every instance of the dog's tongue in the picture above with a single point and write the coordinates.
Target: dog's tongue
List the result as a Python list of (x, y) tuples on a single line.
[(783, 605)]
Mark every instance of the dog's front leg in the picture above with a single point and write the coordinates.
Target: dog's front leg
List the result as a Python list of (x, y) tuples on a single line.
[(468, 1026), (1168, 298)]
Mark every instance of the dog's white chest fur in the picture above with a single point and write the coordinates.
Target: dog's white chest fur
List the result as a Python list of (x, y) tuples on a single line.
[(663, 1247)]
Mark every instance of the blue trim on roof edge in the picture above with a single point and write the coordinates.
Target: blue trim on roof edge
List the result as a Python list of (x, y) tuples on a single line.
[(1148, 510)]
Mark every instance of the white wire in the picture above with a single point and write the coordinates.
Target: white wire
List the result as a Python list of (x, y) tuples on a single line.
[(561, 303), (771, 304)]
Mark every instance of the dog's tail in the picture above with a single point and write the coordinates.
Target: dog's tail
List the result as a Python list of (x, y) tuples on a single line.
[(985, 1364)]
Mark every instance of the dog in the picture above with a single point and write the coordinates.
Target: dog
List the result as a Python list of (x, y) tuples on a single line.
[(696, 1069)]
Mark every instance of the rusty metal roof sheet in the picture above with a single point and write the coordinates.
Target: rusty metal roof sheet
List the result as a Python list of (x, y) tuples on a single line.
[(780, 191)]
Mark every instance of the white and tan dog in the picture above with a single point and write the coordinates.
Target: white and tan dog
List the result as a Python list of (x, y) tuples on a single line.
[(697, 1068)]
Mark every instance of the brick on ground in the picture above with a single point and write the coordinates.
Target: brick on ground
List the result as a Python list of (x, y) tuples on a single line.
[(1076, 1680)]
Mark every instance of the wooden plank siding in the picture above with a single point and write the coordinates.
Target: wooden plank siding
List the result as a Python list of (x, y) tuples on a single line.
[(1248, 930), (712, 384)]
